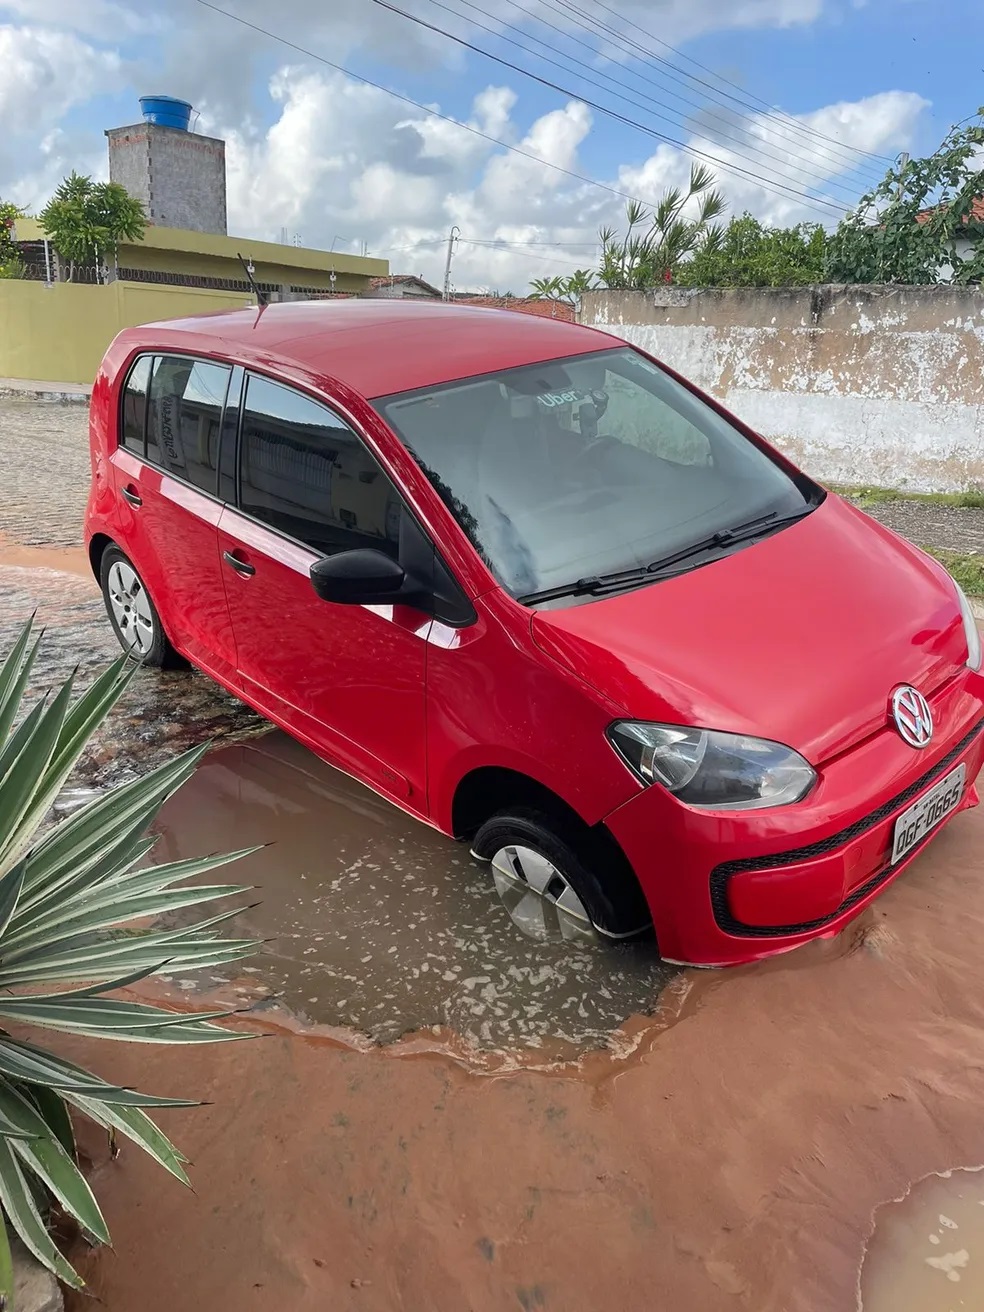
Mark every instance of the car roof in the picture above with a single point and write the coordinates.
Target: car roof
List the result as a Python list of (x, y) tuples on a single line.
[(376, 347)]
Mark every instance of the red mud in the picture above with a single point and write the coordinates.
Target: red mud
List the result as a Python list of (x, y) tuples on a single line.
[(67, 560), (733, 1161)]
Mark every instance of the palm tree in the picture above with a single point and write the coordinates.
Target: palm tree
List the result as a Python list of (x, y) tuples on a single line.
[(645, 258)]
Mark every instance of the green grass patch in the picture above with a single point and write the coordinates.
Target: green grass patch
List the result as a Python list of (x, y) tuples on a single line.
[(871, 496), (966, 567)]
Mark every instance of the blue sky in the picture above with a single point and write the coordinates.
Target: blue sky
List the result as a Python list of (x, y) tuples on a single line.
[(314, 152)]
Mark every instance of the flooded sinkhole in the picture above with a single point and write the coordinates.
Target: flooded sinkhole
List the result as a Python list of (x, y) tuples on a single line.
[(927, 1250), (378, 923)]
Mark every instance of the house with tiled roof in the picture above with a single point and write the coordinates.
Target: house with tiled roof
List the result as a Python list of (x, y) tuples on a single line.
[(965, 247), (400, 287), (543, 309)]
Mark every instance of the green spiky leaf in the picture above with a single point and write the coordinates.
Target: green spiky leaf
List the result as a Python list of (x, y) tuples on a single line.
[(70, 898)]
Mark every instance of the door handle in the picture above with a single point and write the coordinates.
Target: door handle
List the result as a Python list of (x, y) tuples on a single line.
[(131, 496), (240, 566)]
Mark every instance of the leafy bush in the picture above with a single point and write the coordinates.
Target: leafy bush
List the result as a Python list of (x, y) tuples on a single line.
[(923, 218), (69, 896), (750, 255)]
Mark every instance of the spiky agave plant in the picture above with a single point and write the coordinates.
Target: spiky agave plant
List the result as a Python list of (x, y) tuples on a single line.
[(69, 895)]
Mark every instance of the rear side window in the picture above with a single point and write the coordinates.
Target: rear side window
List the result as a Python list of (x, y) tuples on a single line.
[(304, 472), (184, 418), (134, 409)]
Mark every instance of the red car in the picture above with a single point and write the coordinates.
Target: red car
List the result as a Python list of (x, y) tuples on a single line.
[(538, 591)]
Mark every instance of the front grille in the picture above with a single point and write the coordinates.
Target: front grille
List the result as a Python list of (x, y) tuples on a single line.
[(722, 873)]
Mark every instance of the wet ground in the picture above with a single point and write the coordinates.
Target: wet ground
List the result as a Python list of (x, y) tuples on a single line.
[(452, 1105), (374, 922), (927, 1252), (733, 1153), (160, 714)]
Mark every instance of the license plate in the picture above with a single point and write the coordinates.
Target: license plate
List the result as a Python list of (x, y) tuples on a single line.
[(924, 815)]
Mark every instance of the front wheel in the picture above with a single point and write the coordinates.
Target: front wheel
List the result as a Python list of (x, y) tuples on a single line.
[(132, 614), (547, 859)]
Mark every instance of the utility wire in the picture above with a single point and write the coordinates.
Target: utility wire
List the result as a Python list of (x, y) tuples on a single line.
[(772, 185), (424, 109), (743, 100), (813, 177)]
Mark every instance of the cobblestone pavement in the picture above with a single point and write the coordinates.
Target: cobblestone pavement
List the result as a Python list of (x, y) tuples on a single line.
[(944, 528), (44, 471), (161, 713)]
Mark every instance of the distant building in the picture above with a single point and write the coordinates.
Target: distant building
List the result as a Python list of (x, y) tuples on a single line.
[(544, 309), (179, 257), (178, 176), (965, 246), (402, 286)]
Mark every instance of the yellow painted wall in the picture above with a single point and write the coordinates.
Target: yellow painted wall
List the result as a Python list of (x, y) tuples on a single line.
[(59, 334), (206, 254)]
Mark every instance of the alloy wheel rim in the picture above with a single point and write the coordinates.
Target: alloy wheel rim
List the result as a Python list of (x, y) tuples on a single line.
[(538, 895), (130, 605)]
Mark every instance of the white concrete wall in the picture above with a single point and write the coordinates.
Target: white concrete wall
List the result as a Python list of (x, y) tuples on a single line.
[(879, 385)]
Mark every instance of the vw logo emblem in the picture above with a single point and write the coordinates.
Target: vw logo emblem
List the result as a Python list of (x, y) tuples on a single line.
[(913, 718)]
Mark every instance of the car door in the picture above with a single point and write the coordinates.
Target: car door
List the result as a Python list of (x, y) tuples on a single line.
[(346, 679), (166, 470)]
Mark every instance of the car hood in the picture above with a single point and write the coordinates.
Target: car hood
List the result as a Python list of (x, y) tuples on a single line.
[(800, 637)]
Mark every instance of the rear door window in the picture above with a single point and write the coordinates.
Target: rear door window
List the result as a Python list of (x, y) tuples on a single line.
[(133, 416), (304, 472), (184, 418)]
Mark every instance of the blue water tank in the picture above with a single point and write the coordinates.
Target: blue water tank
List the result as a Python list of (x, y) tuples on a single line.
[(166, 112)]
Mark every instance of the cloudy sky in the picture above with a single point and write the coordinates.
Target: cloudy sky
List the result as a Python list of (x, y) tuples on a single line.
[(798, 105)]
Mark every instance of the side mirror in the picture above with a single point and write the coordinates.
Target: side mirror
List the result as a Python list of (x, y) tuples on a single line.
[(357, 578)]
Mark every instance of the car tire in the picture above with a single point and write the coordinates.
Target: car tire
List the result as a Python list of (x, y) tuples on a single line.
[(566, 864), (132, 613)]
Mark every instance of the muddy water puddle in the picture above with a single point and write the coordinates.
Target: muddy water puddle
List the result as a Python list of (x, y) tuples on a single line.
[(927, 1251), (376, 922)]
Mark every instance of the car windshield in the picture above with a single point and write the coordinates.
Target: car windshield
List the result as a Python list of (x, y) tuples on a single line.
[(586, 467)]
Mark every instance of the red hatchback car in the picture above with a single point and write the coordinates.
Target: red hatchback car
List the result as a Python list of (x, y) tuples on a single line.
[(538, 591)]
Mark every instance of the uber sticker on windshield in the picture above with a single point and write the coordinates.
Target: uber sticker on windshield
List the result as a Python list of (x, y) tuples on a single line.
[(560, 398)]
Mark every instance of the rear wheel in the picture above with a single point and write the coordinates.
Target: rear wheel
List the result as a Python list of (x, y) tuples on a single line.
[(132, 614), (538, 858)]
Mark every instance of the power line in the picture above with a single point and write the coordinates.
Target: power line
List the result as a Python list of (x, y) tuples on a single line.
[(749, 141), (739, 100), (425, 109), (773, 186)]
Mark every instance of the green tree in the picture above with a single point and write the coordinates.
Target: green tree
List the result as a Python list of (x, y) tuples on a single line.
[(569, 289), (911, 227), (87, 220), (747, 254), (655, 243), (11, 264), (80, 912)]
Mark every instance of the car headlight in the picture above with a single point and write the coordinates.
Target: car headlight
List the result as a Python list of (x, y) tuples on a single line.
[(725, 771), (974, 654)]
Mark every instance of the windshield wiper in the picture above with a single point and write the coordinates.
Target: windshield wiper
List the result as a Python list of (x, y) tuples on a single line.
[(725, 537), (597, 584), (592, 586)]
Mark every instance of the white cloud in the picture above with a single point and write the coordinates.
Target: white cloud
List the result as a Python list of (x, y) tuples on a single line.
[(95, 18), (341, 162), (45, 73), (785, 156), (345, 162)]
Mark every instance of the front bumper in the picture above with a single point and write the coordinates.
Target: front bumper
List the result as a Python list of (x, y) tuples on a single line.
[(732, 887)]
